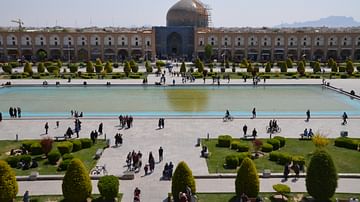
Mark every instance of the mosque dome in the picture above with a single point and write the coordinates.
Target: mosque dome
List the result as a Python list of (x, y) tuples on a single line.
[(188, 13)]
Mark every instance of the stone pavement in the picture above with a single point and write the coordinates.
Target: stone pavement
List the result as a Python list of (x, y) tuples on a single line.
[(178, 139)]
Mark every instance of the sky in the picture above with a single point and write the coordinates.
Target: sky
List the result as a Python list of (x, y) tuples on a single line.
[(138, 13)]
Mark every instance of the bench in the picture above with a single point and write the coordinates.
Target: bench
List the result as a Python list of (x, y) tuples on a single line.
[(207, 155), (248, 137), (60, 138), (307, 137), (98, 153), (128, 175)]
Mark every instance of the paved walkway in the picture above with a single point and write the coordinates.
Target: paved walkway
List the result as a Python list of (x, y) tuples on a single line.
[(178, 140)]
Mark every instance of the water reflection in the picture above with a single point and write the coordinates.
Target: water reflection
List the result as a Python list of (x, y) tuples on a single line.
[(187, 100)]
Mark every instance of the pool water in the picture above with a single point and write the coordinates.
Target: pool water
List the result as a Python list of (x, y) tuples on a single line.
[(178, 100)]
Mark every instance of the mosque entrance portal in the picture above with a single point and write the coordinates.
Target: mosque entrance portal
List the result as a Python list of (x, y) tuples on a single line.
[(174, 45)]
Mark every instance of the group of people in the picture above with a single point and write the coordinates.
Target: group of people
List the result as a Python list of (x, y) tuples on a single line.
[(126, 121), (161, 123), (256, 80), (15, 112), (253, 134), (118, 139), (76, 114), (133, 161), (151, 164), (273, 126), (307, 133), (292, 166), (94, 135), (168, 171)]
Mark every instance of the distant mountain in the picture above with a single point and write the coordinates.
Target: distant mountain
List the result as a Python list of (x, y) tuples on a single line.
[(331, 21)]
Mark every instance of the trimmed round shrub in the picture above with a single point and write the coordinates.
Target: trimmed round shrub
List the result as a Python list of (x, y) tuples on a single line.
[(13, 161), (53, 157), (27, 145), (76, 185), (243, 147), (300, 160), (64, 164), (224, 141), (346, 143), (108, 187), (284, 158), (247, 179), (241, 156), (282, 189), (282, 140), (181, 179), (25, 159), (235, 145), (65, 147), (266, 147), (76, 145), (274, 156), (275, 143), (86, 143), (321, 176), (8, 184), (36, 149), (67, 156), (232, 161)]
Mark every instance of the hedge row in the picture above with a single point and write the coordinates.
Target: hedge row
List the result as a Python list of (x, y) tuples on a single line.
[(347, 143), (224, 141), (283, 158), (234, 160)]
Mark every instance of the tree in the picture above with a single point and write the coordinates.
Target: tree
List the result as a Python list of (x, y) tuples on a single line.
[(283, 66), (73, 68), (46, 145), (321, 176), (183, 67), (301, 68), (148, 67), (28, 68), (134, 67), (127, 68), (181, 179), (41, 67), (108, 187), (247, 179), (108, 67), (208, 52), (76, 185), (317, 67), (7, 68), (41, 55), (289, 63), (268, 67), (98, 66), (199, 65), (8, 184), (349, 67), (89, 67)]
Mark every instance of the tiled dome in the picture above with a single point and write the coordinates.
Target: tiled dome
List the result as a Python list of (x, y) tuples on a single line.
[(187, 13)]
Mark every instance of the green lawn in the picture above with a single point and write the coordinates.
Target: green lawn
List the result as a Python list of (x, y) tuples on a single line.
[(221, 197), (294, 147), (85, 155), (96, 198)]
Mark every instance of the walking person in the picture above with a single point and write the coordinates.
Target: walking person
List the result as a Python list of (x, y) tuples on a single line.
[(26, 197), (15, 112), (162, 122), (46, 128), (159, 124), (254, 113), (345, 117), (254, 133), (286, 171), (0, 116), (101, 129), (19, 112), (245, 129), (308, 115), (161, 153), (57, 124)]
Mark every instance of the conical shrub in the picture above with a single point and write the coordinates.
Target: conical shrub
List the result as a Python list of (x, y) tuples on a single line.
[(8, 184), (181, 179), (76, 186), (321, 176), (247, 179)]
